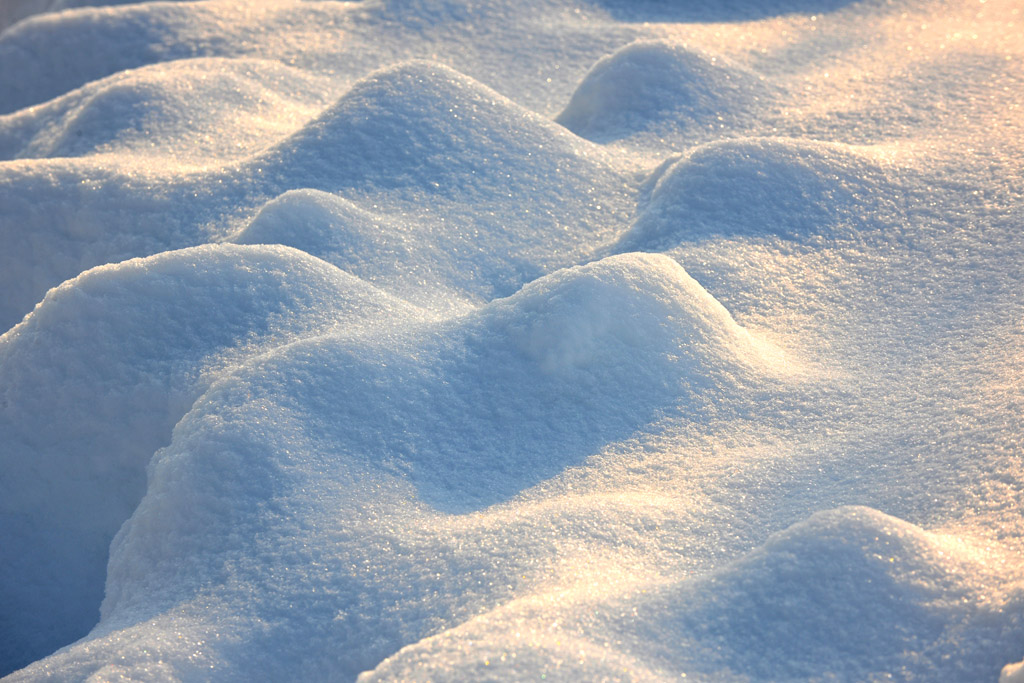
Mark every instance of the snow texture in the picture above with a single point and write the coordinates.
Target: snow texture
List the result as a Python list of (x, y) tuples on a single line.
[(534, 340)]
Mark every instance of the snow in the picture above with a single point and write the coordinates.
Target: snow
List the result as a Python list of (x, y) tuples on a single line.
[(648, 82), (101, 372), (824, 591), (170, 109), (557, 339), (765, 186)]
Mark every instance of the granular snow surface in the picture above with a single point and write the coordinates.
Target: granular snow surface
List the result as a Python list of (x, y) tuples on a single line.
[(512, 340)]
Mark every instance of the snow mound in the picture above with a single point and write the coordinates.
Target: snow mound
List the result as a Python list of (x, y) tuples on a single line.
[(596, 315), (424, 125), (446, 417), (484, 176), (852, 594), (646, 82), (392, 385), (764, 187), (568, 351), (398, 255), (91, 384), (331, 228), (849, 594), (422, 130), (177, 108)]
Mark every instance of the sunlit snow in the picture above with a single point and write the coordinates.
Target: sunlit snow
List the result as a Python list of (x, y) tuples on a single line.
[(512, 340)]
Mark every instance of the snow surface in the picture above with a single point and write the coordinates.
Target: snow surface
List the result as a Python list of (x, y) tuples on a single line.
[(537, 339)]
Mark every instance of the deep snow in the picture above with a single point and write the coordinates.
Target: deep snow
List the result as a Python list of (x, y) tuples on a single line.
[(564, 339)]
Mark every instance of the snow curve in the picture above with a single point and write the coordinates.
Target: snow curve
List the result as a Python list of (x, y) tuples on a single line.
[(848, 594), (519, 339)]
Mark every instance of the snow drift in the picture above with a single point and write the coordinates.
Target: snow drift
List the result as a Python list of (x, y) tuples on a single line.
[(778, 612), (403, 424)]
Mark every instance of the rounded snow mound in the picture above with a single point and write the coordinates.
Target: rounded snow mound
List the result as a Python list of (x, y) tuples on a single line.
[(91, 384), (400, 256), (849, 594), (483, 195), (422, 123), (629, 306), (761, 187), (331, 228), (503, 196), (649, 81), (306, 444), (471, 412), (851, 587), (180, 108)]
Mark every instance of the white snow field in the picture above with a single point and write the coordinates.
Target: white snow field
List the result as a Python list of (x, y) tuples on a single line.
[(572, 340)]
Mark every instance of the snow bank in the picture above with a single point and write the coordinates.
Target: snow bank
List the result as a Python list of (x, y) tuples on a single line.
[(370, 246), (418, 131), (424, 126), (369, 362), (819, 596), (446, 417)]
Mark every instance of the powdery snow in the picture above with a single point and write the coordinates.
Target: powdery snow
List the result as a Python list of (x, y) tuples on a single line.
[(550, 339)]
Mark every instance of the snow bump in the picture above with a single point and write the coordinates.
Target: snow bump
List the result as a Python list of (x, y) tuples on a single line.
[(765, 187), (633, 89), (92, 383)]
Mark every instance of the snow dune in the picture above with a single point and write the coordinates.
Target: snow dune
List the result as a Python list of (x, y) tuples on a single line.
[(441, 340)]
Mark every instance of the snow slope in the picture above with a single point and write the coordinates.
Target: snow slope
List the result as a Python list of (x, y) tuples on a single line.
[(561, 339)]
